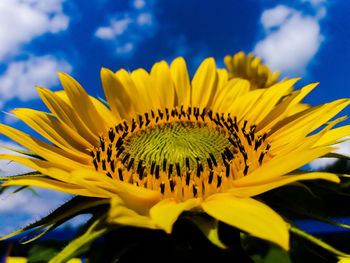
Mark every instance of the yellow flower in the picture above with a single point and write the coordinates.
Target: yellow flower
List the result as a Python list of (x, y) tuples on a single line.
[(250, 68), (258, 76), (165, 145)]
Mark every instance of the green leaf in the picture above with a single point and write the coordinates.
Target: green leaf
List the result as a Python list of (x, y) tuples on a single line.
[(316, 201), (97, 229), (274, 255), (43, 251)]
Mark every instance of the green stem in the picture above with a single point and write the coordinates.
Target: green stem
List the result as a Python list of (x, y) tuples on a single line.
[(317, 241)]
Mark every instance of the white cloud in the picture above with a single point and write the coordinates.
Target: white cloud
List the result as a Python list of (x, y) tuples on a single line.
[(8, 167), (292, 39), (23, 20), (58, 23), (10, 118), (144, 19), (126, 30), (26, 202), (105, 32), (116, 28), (315, 2), (275, 16), (343, 148), (20, 78), (127, 48), (22, 208), (139, 4), (49, 6)]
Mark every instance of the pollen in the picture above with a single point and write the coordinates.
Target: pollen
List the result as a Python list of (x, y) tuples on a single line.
[(181, 153)]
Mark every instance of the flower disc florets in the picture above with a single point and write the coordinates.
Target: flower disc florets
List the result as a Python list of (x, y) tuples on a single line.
[(181, 153)]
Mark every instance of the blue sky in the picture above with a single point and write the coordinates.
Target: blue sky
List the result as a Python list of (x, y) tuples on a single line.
[(302, 38)]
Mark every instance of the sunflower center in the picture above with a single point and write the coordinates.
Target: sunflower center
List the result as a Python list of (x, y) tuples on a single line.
[(182, 154), (174, 143)]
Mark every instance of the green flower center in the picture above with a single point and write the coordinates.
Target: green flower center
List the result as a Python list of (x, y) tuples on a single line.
[(176, 142)]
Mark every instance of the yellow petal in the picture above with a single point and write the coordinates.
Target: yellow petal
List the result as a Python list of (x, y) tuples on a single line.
[(52, 130), (332, 136), (119, 213), (116, 95), (311, 141), (228, 60), (179, 74), (82, 104), (52, 184), (248, 215), (132, 91), (253, 190), (165, 213), (301, 95), (38, 165), (222, 76), (233, 90), (306, 123), (344, 259), (143, 85), (106, 114), (63, 180), (268, 100), (43, 149), (163, 84), (204, 84), (67, 116), (245, 103), (137, 198), (285, 108), (282, 165), (239, 63), (298, 108)]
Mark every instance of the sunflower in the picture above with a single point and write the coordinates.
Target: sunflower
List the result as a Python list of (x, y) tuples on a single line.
[(259, 76), (162, 145), (250, 68)]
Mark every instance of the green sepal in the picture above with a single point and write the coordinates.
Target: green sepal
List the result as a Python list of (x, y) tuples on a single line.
[(30, 154), (50, 114), (336, 155), (209, 227), (103, 101), (21, 176), (306, 214), (20, 188), (316, 241), (304, 186), (77, 205)]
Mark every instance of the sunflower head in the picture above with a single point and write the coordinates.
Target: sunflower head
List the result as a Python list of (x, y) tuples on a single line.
[(164, 145), (250, 68)]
